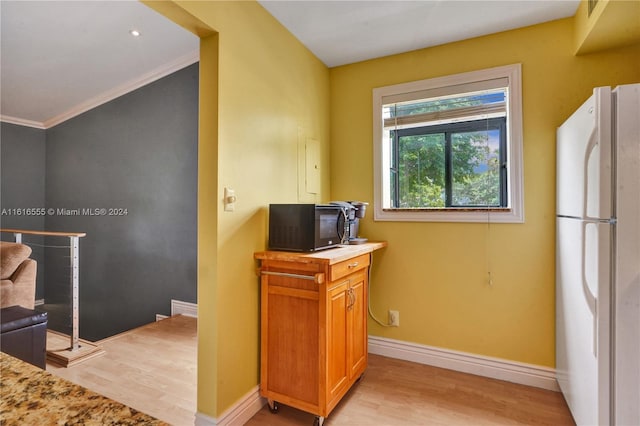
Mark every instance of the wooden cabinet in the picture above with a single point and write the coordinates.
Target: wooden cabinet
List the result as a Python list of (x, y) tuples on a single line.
[(313, 325)]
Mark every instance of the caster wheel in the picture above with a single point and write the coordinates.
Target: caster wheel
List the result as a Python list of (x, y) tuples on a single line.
[(273, 406), (318, 421)]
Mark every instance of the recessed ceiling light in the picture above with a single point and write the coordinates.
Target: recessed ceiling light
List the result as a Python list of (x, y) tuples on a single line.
[(135, 33)]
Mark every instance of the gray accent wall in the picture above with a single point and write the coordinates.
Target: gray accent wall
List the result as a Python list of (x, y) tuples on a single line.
[(22, 186), (126, 174)]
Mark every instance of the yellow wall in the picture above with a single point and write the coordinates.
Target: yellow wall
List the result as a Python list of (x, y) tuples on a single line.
[(262, 94), (272, 94), (612, 23), (435, 273)]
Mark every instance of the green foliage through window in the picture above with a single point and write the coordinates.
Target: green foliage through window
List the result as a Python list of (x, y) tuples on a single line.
[(449, 148), (450, 165)]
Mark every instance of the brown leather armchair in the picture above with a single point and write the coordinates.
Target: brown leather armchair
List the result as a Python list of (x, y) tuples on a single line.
[(18, 275)]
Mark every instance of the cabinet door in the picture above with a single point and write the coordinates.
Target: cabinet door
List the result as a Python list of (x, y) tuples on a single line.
[(289, 338), (357, 348), (337, 368)]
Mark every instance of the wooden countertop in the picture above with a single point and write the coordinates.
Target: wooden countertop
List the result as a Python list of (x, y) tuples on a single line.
[(31, 396), (326, 257)]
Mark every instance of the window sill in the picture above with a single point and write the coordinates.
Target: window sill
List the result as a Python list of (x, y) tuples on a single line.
[(455, 214)]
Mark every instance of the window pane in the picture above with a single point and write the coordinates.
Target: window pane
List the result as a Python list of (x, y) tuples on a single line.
[(475, 158), (444, 104), (421, 171), (393, 169), (474, 101)]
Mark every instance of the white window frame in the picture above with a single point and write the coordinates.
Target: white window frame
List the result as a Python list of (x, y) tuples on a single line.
[(514, 213)]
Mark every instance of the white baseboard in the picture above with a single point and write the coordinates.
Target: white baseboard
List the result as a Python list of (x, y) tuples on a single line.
[(39, 302), (179, 307), (238, 414), (495, 368)]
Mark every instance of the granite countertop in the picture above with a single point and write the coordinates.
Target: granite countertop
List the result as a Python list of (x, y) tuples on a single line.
[(31, 396)]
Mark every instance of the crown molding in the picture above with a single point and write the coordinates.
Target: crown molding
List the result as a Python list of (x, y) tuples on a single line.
[(125, 88), (116, 92), (22, 122)]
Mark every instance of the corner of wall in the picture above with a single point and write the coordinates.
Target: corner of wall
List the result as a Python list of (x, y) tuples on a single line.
[(611, 24)]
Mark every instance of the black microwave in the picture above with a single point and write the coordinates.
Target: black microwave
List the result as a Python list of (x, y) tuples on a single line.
[(305, 227)]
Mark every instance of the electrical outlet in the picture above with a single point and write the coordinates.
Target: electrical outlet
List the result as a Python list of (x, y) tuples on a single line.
[(394, 318)]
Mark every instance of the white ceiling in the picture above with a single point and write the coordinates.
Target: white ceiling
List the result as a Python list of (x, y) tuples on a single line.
[(343, 32), (60, 58)]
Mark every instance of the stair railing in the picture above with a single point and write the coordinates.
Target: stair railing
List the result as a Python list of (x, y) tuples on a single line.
[(74, 246)]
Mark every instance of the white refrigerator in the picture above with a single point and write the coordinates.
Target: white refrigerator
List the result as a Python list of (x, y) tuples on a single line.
[(598, 258)]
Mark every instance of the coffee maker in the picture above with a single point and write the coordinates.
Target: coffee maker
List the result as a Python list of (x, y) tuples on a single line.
[(353, 212)]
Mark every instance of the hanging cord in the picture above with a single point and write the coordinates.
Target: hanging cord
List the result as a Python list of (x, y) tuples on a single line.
[(369, 293), (488, 237), (488, 256)]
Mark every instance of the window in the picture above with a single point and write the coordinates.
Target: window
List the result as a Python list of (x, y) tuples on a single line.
[(450, 149)]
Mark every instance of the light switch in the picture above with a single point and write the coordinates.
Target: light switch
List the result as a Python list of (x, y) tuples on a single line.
[(229, 200)]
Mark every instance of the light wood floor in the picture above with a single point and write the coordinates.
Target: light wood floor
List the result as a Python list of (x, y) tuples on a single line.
[(153, 369), (401, 393)]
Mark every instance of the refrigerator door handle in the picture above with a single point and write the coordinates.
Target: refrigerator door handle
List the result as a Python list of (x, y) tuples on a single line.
[(589, 297), (591, 145)]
